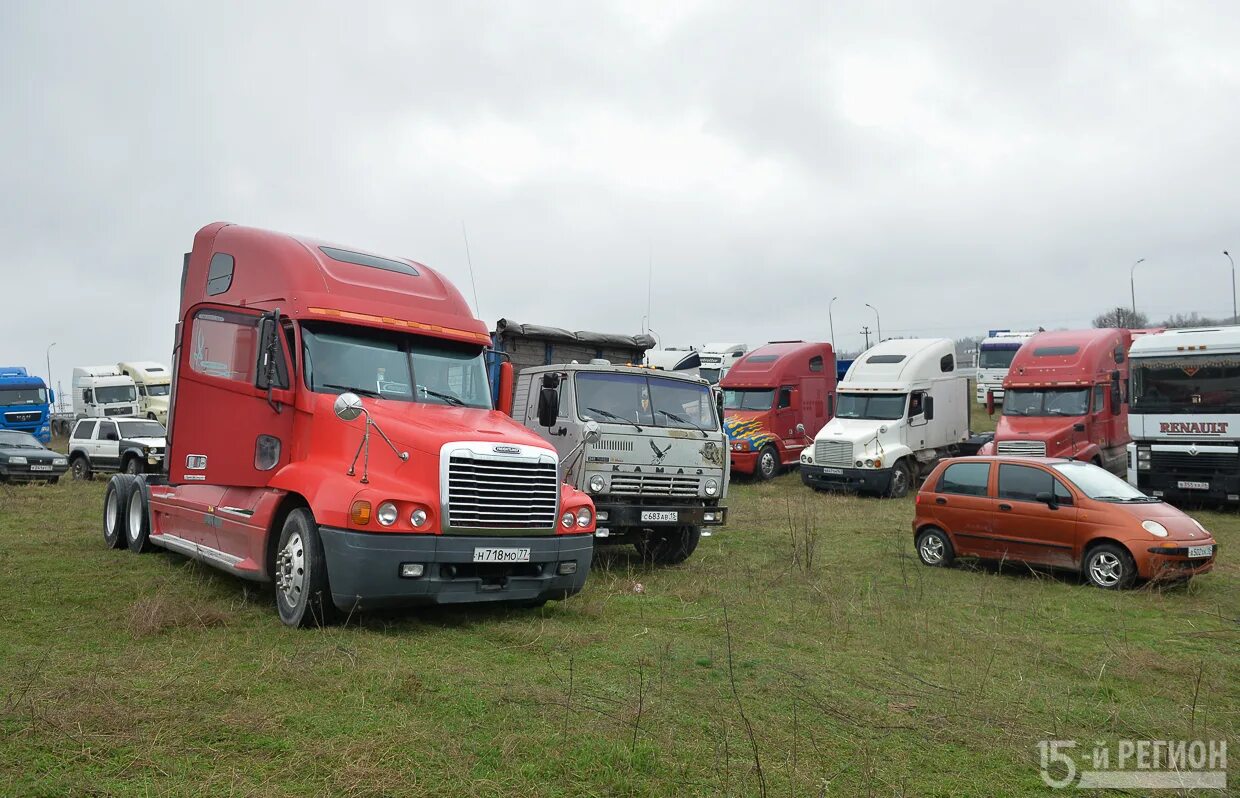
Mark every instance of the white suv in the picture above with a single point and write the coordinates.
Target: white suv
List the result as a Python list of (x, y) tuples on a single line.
[(132, 445)]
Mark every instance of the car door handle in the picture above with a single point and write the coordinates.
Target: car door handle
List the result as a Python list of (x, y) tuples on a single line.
[(940, 500), (1005, 507)]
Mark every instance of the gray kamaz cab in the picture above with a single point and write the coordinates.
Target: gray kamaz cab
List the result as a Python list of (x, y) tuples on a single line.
[(646, 445)]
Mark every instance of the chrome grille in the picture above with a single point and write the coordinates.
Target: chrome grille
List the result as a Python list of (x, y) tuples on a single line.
[(653, 485), (499, 493), (117, 411), (833, 453), (1022, 448), (23, 417), (1204, 463)]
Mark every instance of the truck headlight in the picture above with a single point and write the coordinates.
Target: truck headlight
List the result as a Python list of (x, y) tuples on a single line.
[(597, 483), (712, 487), (386, 513), (417, 518), (584, 517), (17, 461), (1143, 458), (860, 463), (568, 519), (869, 463)]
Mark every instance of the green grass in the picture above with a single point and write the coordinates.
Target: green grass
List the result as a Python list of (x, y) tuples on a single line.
[(806, 631)]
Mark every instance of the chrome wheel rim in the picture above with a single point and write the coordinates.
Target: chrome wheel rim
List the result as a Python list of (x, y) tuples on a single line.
[(291, 569), (111, 511), (79, 468), (768, 464), (135, 516), (1106, 569), (932, 549)]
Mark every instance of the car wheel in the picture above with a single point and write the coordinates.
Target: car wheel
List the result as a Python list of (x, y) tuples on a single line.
[(133, 465), (80, 467), (934, 548), (115, 505), (138, 523), (768, 463), (901, 480), (669, 547), (1110, 567), (303, 596)]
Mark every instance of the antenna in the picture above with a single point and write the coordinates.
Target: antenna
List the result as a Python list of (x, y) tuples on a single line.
[(649, 278), (470, 261)]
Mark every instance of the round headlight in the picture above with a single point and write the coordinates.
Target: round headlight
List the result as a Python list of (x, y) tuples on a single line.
[(584, 517), (1154, 528), (869, 463), (712, 487), (386, 513), (597, 483), (860, 463), (567, 520), (417, 517)]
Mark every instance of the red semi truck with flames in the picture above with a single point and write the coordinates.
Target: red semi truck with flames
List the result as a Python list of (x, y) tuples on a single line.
[(331, 430)]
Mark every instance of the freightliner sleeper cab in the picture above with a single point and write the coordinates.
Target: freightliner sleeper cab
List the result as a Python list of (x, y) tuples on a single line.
[(331, 430)]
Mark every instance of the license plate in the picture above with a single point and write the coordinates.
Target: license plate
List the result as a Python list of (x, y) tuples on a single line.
[(1192, 485), (837, 471), (501, 555), (40, 468), (1200, 551), (653, 516)]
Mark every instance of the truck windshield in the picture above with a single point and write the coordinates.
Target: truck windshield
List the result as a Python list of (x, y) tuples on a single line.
[(995, 358), (710, 375), (1189, 384), (748, 398), (109, 394), (876, 406), (394, 366), (18, 440), (142, 429), (10, 397), (1098, 483), (648, 401), (158, 390), (1046, 402)]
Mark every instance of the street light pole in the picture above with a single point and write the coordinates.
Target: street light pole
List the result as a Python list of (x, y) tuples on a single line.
[(1132, 286), (831, 319), (878, 319), (1233, 288), (50, 381)]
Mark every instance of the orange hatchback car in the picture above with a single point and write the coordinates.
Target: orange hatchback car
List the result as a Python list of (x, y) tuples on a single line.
[(1059, 513)]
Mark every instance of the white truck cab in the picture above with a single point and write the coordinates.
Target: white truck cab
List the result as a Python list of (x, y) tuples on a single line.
[(154, 384), (717, 358), (101, 391), (994, 359), (901, 408)]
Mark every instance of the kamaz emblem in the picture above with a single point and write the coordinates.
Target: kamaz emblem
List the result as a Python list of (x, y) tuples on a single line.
[(506, 450), (659, 454)]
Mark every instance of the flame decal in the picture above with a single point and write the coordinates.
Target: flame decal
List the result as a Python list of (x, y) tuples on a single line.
[(750, 430)]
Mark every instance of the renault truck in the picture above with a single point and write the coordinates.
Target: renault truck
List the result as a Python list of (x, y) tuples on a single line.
[(331, 431), (646, 445), (25, 403), (902, 407), (1184, 415)]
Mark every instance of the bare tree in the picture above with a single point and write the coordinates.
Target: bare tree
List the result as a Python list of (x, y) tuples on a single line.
[(1122, 318)]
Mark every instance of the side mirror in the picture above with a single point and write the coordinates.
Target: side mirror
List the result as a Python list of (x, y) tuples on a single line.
[(928, 408), (51, 396), (272, 370), (549, 401), (504, 400), (990, 403), (590, 431), (1115, 398), (1048, 498), (800, 429), (348, 406), (719, 405)]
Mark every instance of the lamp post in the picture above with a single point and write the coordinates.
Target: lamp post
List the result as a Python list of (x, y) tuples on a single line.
[(1233, 287), (879, 321), (831, 320), (50, 382), (1132, 286)]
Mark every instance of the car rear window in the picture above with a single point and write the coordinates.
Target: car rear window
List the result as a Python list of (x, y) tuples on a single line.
[(968, 479), (84, 429)]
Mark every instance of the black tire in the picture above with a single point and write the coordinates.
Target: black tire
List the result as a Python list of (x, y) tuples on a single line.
[(115, 504), (934, 548), (303, 595), (151, 416), (53, 480), (901, 480), (670, 546), (79, 466), (767, 466), (1110, 567), (133, 465), (138, 520)]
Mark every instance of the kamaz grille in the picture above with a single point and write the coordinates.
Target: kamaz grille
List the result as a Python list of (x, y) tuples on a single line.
[(833, 453), (116, 411), (22, 417), (1022, 448), (614, 445), (653, 485), (1203, 463), (495, 493)]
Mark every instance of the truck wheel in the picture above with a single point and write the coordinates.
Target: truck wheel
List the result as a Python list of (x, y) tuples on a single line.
[(151, 416), (138, 525), (901, 480), (115, 505), (1110, 567), (80, 467), (670, 547), (133, 465), (303, 596), (768, 463), (934, 548)]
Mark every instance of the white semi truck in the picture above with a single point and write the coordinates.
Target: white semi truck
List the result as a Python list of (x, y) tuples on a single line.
[(100, 391), (717, 358), (1184, 415), (901, 408), (994, 358), (648, 446), (154, 384)]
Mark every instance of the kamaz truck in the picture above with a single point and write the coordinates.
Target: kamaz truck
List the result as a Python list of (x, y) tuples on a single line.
[(25, 403), (331, 431), (646, 445)]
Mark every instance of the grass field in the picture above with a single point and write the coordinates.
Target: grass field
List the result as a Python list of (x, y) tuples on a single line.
[(803, 651)]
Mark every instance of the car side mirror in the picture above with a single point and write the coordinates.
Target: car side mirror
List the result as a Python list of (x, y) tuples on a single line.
[(549, 401), (928, 408), (1048, 498), (590, 431), (800, 429), (348, 406)]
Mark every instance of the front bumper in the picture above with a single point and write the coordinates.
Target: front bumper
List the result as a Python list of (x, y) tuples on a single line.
[(619, 516), (1222, 488), (20, 473), (861, 480), (743, 462), (364, 568), (1161, 563)]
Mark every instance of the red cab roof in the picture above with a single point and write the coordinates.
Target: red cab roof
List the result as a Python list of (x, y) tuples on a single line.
[(779, 362), (1069, 357)]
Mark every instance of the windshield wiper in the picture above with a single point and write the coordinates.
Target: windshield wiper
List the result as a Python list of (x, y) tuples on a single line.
[(451, 399), (354, 389), (684, 421), (609, 414)]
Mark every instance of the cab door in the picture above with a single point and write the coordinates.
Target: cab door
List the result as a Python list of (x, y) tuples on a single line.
[(1030, 530), (784, 422)]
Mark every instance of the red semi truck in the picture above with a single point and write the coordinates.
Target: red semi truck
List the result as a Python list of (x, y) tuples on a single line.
[(331, 430), (775, 399), (1064, 397)]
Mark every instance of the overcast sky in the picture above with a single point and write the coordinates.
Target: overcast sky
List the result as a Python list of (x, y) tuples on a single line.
[(960, 166)]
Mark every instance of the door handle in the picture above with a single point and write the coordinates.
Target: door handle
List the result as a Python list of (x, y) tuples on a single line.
[(940, 500), (1005, 507)]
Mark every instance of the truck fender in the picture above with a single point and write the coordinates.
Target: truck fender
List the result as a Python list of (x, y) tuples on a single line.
[(327, 490), (987, 449), (1090, 453)]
